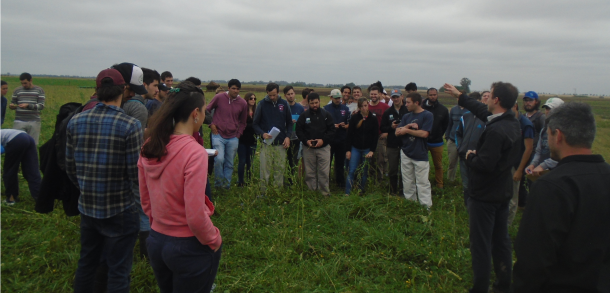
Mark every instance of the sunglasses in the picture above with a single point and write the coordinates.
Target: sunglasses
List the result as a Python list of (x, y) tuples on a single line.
[(252, 99)]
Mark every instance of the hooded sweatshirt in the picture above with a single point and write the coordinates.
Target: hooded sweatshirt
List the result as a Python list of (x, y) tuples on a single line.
[(230, 115), (441, 122), (271, 114), (172, 192)]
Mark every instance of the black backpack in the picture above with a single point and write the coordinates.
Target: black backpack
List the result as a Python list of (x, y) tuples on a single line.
[(66, 112)]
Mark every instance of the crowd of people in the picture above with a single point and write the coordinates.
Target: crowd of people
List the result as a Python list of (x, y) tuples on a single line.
[(135, 154)]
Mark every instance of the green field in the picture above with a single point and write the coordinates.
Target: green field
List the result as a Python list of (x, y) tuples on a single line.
[(291, 241)]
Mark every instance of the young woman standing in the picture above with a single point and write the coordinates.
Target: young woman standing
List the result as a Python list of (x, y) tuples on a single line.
[(247, 143), (362, 136)]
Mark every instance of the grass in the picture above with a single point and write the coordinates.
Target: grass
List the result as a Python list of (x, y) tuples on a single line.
[(293, 240)]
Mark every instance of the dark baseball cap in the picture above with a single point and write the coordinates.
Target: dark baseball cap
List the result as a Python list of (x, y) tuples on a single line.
[(163, 87), (133, 75), (115, 75)]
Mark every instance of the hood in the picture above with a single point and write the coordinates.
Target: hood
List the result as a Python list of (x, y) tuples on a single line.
[(155, 168), (226, 95), (268, 100), (138, 97)]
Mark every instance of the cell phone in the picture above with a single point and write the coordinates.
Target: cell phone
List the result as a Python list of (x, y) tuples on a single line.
[(314, 143), (397, 121)]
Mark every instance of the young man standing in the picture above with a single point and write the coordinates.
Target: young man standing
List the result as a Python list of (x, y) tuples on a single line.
[(109, 217), (389, 122), (563, 244), (273, 112), (293, 150), (346, 92), (455, 115), (167, 78), (410, 88), (414, 129), (340, 114), (154, 104), (304, 103), (379, 160), (490, 184), (28, 102), (151, 80), (228, 123), (316, 128), (357, 93), (435, 140)]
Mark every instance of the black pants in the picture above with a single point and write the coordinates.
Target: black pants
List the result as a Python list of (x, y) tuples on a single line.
[(21, 150), (293, 162), (523, 187), (337, 150), (489, 240)]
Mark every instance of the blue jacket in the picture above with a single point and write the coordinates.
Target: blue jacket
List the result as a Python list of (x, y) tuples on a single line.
[(340, 113), (468, 132), (273, 114)]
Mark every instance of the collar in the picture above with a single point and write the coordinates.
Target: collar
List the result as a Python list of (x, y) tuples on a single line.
[(102, 105), (494, 116), (582, 158)]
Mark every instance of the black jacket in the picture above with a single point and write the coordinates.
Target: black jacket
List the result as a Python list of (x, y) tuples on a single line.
[(366, 136), (388, 117), (441, 120), (315, 125), (491, 178), (248, 137), (563, 244), (340, 113), (273, 114)]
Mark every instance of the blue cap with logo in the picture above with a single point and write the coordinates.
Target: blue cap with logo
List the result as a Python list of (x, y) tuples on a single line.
[(531, 95)]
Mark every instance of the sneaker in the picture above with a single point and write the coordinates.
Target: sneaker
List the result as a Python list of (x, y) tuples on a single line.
[(9, 202), (213, 287)]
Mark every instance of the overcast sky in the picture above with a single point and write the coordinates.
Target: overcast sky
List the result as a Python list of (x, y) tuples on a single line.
[(546, 46)]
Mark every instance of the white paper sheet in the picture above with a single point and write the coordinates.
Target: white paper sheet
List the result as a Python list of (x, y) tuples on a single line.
[(211, 152), (274, 132)]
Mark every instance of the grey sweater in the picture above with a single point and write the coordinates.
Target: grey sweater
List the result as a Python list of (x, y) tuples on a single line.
[(135, 107)]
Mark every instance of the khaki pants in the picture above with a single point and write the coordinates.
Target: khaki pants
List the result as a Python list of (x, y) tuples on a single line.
[(317, 168), (437, 159), (452, 153), (415, 180), (32, 128), (379, 161), (514, 201), (273, 160)]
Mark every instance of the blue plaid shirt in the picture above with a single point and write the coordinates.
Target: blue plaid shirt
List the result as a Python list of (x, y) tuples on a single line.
[(102, 150)]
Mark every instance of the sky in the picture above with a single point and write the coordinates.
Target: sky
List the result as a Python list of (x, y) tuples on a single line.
[(554, 46)]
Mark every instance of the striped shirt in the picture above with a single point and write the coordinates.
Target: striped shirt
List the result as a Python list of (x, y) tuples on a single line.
[(34, 97), (102, 151)]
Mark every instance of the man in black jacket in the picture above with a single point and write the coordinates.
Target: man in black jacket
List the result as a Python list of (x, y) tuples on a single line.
[(563, 243), (316, 128), (389, 123), (490, 184), (435, 140), (341, 114)]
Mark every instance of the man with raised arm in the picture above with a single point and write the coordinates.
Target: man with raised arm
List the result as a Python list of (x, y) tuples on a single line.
[(491, 184)]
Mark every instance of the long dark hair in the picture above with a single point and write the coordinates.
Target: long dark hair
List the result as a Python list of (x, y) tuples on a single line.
[(247, 98), (177, 108)]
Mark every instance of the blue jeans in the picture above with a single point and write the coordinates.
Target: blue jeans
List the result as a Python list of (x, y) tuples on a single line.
[(114, 239), (21, 150), (223, 163), (246, 156), (357, 159), (182, 264)]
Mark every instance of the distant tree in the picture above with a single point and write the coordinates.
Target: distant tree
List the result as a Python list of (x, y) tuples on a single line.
[(465, 83)]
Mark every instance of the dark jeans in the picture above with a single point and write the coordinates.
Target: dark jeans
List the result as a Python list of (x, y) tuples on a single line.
[(245, 153), (292, 156), (182, 264), (489, 240), (464, 174), (523, 187), (21, 150), (114, 239), (337, 151)]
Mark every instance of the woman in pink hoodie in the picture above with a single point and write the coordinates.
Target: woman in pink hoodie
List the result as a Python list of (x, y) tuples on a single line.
[(184, 246)]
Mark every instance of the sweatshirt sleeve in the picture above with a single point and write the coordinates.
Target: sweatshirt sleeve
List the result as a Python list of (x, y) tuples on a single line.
[(39, 101), (386, 125), (445, 123), (256, 121), (450, 126), (477, 108), (544, 228), (212, 104), (243, 120), (197, 212), (537, 152), (350, 133), (329, 134), (288, 121), (144, 194), (300, 129)]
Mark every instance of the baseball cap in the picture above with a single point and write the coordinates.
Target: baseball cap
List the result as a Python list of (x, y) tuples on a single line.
[(163, 87), (134, 75), (531, 95), (115, 75), (395, 92), (553, 102), (385, 92), (335, 93)]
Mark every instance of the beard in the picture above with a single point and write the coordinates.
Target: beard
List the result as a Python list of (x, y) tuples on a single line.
[(531, 108)]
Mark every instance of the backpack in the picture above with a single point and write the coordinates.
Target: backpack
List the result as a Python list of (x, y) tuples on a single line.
[(66, 112)]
